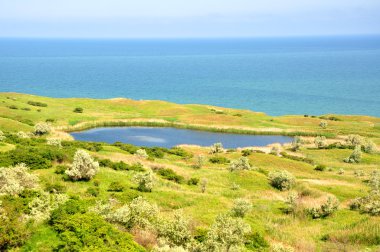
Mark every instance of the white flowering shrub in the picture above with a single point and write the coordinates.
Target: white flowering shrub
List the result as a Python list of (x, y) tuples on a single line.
[(54, 142), (175, 231), (143, 214), (41, 206), (14, 180), (41, 128), (355, 156), (369, 146), (235, 187), (324, 210), (216, 148), (241, 164), (2, 136), (200, 161), (167, 248), (83, 166), (296, 143), (278, 247), (354, 140), (145, 181), (292, 202), (227, 233), (203, 184), (323, 124), (282, 180), (374, 180), (320, 142), (241, 207), (141, 153), (22, 134), (341, 171)]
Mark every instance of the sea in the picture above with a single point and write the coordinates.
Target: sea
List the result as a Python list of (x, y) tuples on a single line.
[(278, 76)]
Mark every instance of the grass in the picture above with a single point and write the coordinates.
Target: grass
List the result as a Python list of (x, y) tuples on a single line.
[(345, 229)]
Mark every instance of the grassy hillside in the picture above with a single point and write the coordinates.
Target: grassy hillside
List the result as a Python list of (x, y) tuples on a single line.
[(273, 225)]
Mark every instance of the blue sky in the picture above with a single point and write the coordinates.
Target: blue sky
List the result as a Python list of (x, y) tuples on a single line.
[(190, 18)]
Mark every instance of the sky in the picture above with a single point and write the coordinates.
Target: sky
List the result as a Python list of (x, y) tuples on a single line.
[(187, 18)]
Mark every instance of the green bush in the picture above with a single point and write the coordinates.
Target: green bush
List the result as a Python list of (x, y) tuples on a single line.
[(93, 191), (60, 169), (115, 187), (121, 166), (55, 188), (78, 110), (37, 104), (256, 242), (219, 160), (193, 181), (320, 167), (169, 174), (246, 152)]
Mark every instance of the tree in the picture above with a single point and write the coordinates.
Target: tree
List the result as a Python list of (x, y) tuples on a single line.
[(226, 233), (216, 148), (241, 207), (355, 156), (145, 181), (14, 180), (83, 167), (41, 128), (282, 180), (241, 164), (320, 142)]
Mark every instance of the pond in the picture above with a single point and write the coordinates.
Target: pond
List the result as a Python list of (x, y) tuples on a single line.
[(169, 137)]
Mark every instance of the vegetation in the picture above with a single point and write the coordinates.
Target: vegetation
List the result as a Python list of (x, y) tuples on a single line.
[(175, 199)]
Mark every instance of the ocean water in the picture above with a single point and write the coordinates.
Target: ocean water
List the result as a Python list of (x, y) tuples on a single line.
[(314, 75), (170, 137)]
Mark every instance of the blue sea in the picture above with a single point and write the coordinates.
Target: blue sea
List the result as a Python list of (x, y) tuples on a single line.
[(311, 75)]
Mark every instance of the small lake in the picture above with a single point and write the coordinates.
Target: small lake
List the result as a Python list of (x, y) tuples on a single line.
[(169, 137)]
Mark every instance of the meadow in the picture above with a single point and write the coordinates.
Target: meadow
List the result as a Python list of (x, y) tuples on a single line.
[(201, 190)]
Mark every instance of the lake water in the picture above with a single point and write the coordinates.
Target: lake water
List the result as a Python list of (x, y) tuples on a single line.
[(169, 137), (314, 75)]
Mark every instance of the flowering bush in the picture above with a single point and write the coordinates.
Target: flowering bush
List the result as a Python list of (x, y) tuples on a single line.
[(240, 164), (55, 142), (282, 180), (355, 156), (14, 180), (145, 181), (22, 134), (41, 128), (320, 142), (326, 209), (216, 148), (83, 167), (2, 136), (141, 153), (241, 207)]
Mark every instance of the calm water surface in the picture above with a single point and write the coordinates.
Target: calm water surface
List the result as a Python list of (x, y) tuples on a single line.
[(169, 137)]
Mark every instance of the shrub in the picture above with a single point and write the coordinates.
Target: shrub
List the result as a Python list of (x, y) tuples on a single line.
[(256, 242), (145, 181), (41, 128), (246, 152), (141, 153), (374, 180), (355, 156), (37, 104), (320, 168), (193, 181), (240, 164), (296, 143), (50, 120), (14, 180), (282, 180), (326, 209), (200, 161), (180, 152), (227, 233), (320, 142), (22, 134), (204, 183), (216, 148), (275, 150), (54, 142), (83, 167), (115, 187), (241, 207), (93, 191), (235, 187), (219, 160), (369, 146), (60, 169), (169, 174), (354, 140), (323, 124), (78, 110), (55, 188), (175, 231)]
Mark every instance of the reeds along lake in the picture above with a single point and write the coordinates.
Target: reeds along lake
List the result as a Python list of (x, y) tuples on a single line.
[(314, 75), (170, 137)]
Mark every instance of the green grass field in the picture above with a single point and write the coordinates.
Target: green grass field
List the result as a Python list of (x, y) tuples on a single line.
[(345, 230)]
